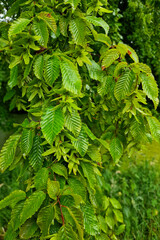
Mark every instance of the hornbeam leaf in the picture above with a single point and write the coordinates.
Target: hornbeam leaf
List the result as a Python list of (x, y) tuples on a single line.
[(77, 216), (95, 71), (116, 149), (60, 169), (28, 229), (12, 198), (38, 67), (18, 26), (110, 57), (90, 220), (13, 77), (66, 233), (27, 140), (74, 3), (77, 28), (154, 126), (49, 19), (35, 155), (73, 122), (88, 171), (40, 29), (81, 144), (8, 152), (70, 76), (53, 188), (45, 217), (150, 87), (98, 21), (51, 70), (31, 205), (52, 123), (39, 181), (124, 85)]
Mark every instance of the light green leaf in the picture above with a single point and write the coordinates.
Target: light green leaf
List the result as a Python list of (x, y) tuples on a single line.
[(18, 26), (77, 216), (119, 68), (88, 171), (40, 29), (31, 205), (90, 219), (150, 87), (59, 169), (51, 70), (81, 144), (27, 140), (100, 37), (95, 71), (28, 229), (70, 77), (63, 24), (12, 198), (8, 151), (119, 215), (77, 187), (154, 126), (38, 67), (13, 77), (89, 132), (15, 215), (110, 56), (74, 3), (45, 217), (98, 21), (77, 28), (53, 188), (52, 123), (73, 122), (115, 203), (39, 181), (35, 155), (66, 233), (49, 19), (120, 229), (124, 85), (116, 149), (94, 154)]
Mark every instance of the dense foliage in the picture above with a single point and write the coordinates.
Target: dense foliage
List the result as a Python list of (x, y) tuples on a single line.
[(85, 100)]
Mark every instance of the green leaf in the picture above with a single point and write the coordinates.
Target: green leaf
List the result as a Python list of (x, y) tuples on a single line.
[(89, 132), (49, 20), (66, 233), (15, 215), (40, 29), (52, 123), (51, 70), (81, 144), (28, 229), (63, 24), (95, 71), (12, 198), (53, 188), (116, 149), (77, 187), (27, 140), (120, 229), (130, 51), (97, 21), (18, 26), (38, 67), (73, 122), (39, 181), (110, 56), (76, 214), (31, 205), (119, 68), (100, 37), (124, 85), (44, 220), (119, 215), (138, 129), (74, 3), (13, 77), (115, 203), (70, 77), (77, 28), (8, 151), (90, 220), (35, 155), (154, 126), (60, 169), (94, 154), (150, 87), (88, 171)]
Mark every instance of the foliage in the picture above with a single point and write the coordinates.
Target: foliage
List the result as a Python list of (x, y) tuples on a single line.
[(136, 185), (85, 100)]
